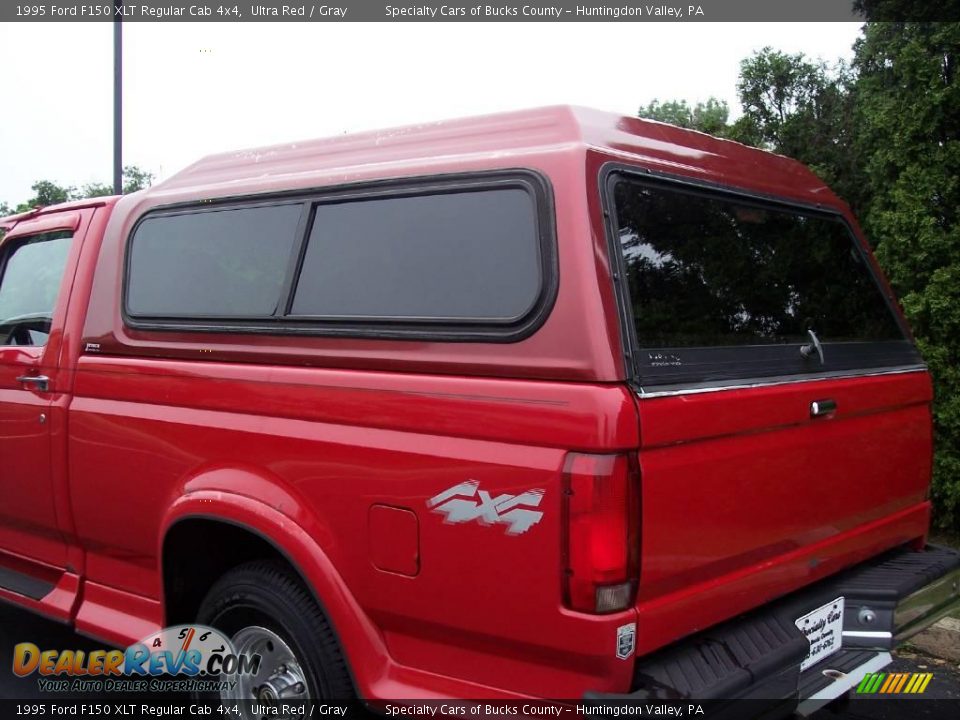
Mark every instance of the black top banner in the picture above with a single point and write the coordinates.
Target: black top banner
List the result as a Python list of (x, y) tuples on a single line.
[(471, 11)]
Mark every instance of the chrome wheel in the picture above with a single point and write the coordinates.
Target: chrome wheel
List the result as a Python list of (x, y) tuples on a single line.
[(279, 676), (264, 609)]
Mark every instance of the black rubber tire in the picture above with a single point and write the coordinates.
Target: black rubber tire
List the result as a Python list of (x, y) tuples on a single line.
[(267, 593)]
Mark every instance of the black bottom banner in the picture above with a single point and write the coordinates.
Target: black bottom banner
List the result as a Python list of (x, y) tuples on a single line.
[(866, 708)]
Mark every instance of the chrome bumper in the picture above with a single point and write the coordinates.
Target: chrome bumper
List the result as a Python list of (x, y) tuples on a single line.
[(927, 605), (890, 601)]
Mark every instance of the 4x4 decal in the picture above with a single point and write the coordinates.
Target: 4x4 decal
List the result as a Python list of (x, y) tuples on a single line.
[(465, 502)]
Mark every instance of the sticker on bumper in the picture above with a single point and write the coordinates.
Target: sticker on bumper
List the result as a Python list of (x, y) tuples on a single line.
[(824, 630)]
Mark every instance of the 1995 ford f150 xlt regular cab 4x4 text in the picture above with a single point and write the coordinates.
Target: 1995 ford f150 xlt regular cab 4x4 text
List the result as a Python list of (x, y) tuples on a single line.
[(547, 404)]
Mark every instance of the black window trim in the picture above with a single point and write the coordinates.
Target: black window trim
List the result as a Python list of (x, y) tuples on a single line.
[(611, 172), (506, 330)]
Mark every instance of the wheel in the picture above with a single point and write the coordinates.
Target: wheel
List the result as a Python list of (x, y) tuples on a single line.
[(265, 609)]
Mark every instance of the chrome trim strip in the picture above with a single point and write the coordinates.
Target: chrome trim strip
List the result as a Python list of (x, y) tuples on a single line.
[(774, 381), (882, 634)]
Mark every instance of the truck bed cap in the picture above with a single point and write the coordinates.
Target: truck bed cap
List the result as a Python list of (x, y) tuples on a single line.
[(507, 139)]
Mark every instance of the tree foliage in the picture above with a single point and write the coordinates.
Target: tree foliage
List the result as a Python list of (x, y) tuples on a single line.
[(907, 111), (884, 133), (802, 109), (135, 178), (96, 189), (47, 192), (709, 117)]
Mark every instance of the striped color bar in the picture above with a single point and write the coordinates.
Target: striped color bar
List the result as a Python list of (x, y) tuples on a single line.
[(894, 683)]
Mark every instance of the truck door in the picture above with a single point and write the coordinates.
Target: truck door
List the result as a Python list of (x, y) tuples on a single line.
[(37, 258)]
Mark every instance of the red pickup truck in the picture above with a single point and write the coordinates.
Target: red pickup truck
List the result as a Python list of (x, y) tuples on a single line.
[(549, 404)]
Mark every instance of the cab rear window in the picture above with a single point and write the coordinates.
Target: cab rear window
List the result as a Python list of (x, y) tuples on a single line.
[(718, 287)]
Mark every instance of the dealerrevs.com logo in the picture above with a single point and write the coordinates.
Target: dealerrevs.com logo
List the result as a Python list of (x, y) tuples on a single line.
[(182, 658)]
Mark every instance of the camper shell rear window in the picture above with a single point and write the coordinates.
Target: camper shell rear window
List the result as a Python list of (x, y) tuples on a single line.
[(720, 288), (458, 258)]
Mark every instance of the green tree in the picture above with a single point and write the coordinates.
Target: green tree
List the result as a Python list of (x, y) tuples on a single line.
[(47, 192), (803, 109), (709, 117), (96, 189), (907, 109), (136, 178), (791, 105), (777, 90)]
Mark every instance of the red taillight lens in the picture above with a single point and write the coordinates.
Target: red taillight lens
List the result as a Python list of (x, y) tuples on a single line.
[(602, 508)]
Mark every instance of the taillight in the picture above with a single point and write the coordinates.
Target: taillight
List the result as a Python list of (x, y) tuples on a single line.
[(602, 511)]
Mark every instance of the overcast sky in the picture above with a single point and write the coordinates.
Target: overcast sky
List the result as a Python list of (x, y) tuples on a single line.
[(196, 88)]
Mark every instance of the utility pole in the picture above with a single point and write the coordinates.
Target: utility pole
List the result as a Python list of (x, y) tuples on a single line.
[(117, 99)]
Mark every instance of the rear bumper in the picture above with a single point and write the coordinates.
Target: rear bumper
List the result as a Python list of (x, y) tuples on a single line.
[(889, 601), (759, 655)]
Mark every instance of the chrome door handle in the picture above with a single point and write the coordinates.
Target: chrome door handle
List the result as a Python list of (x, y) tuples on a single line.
[(819, 408), (41, 382)]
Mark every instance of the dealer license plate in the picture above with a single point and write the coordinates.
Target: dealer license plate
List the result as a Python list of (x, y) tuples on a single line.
[(824, 629)]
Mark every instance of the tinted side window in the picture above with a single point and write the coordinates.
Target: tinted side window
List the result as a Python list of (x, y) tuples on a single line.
[(708, 274), (464, 256), (228, 263)]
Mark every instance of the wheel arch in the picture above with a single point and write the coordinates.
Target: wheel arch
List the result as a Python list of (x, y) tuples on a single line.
[(269, 533)]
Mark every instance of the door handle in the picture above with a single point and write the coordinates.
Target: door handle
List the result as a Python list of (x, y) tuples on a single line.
[(819, 408), (40, 382)]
